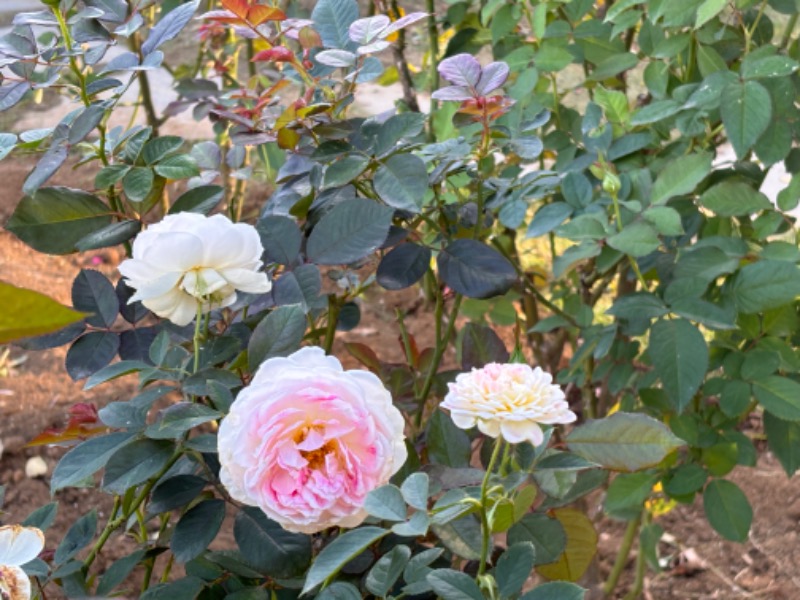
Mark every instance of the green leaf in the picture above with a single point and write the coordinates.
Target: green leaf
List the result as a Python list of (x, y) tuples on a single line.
[(789, 197), (783, 438), (278, 334), (27, 313), (680, 357), (623, 441), (475, 270), (665, 219), (447, 444), (110, 175), (161, 147), (402, 181), (765, 285), (280, 237), (707, 11), (385, 573), (78, 537), (545, 533), (57, 218), (727, 510), (339, 590), (462, 537), (135, 463), (118, 572), (681, 176), (43, 517), (768, 66), (201, 199), (556, 590), (90, 353), (627, 493), (344, 170), (637, 239), (197, 529), (92, 293), (746, 111), (549, 217), (169, 26), (188, 587), (386, 502), (480, 345), (687, 479), (734, 199), (109, 236), (639, 305), (332, 18), (349, 232), (179, 418), (403, 266), (181, 166), (175, 492), (268, 547), (138, 183), (454, 585), (514, 568), (655, 112), (86, 458), (614, 104), (339, 552), (779, 395), (415, 490)]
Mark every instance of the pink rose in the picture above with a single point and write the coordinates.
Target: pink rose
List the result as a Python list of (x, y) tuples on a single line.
[(307, 441)]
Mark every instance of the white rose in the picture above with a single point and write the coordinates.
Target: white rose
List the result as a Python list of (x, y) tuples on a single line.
[(18, 545), (189, 260), (511, 400)]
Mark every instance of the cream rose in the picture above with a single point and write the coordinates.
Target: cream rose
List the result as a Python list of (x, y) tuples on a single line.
[(18, 545), (188, 260), (306, 441), (511, 400)]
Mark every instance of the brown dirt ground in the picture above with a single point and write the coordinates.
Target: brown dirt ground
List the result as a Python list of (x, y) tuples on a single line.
[(38, 393)]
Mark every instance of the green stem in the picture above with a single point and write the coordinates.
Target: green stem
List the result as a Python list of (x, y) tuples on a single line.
[(115, 523), (787, 34), (486, 530), (197, 335), (438, 353), (641, 567), (622, 556), (333, 319), (433, 69)]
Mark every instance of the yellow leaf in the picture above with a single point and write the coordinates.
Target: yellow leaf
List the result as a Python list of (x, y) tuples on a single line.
[(579, 551), (27, 313)]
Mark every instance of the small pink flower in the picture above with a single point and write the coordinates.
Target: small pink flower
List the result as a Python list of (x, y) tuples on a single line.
[(307, 441), (511, 400)]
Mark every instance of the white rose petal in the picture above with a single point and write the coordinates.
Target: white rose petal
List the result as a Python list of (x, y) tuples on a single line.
[(511, 401), (189, 261)]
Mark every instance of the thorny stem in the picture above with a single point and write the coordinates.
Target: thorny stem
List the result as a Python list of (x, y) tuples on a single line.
[(486, 530), (641, 567), (787, 34), (631, 259)]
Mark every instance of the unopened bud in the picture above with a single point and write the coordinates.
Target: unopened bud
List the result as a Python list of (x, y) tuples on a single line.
[(611, 183)]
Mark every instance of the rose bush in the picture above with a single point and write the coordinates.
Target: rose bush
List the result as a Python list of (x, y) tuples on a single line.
[(306, 441), (572, 193)]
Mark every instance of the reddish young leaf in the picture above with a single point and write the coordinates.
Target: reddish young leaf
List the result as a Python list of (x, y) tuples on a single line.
[(276, 54), (83, 423), (238, 7), (259, 14)]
